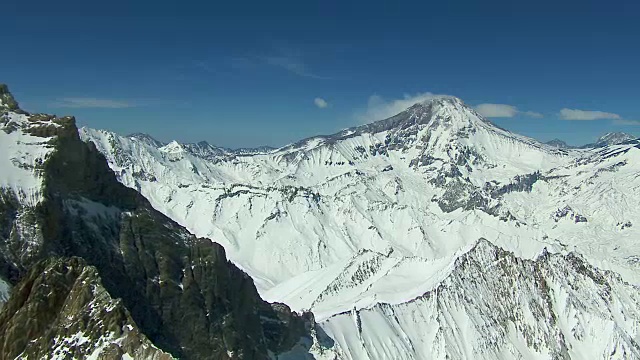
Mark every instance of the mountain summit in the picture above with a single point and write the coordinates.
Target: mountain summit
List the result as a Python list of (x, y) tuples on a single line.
[(443, 110), (557, 143), (612, 138)]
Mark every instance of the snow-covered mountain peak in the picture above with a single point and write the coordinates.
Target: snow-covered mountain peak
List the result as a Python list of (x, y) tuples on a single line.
[(147, 139), (172, 147), (450, 112), (174, 150), (440, 103), (442, 99), (557, 143), (611, 138), (205, 150), (614, 138), (435, 125), (447, 111)]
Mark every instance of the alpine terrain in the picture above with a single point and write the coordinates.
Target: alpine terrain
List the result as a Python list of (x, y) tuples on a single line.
[(89, 269), (433, 234)]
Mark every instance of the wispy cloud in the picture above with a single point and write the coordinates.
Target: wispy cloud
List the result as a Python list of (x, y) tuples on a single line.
[(587, 115), (379, 108), (504, 111), (290, 59), (90, 102), (320, 102), (533, 114), (292, 64), (276, 55), (626, 122)]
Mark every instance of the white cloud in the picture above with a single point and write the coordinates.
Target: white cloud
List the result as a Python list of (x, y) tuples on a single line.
[(497, 110), (77, 102), (533, 114), (320, 102), (504, 111), (379, 108), (575, 114), (626, 122)]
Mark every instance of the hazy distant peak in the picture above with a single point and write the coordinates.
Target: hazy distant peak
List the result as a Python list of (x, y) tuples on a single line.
[(611, 138), (557, 143), (146, 138)]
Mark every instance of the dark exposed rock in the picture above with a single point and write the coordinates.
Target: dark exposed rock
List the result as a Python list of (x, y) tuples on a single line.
[(567, 211), (61, 308), (7, 102), (520, 183), (625, 225)]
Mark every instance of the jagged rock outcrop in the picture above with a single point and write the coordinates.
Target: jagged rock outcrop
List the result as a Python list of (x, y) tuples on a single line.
[(60, 309), (7, 102)]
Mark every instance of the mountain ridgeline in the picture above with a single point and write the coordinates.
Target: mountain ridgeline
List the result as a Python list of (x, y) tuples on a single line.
[(77, 244), (433, 234)]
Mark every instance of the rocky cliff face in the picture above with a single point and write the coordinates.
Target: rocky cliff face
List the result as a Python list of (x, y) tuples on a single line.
[(61, 309), (180, 291), (7, 102)]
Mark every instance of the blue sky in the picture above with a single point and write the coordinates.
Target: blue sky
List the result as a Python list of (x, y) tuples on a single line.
[(259, 73)]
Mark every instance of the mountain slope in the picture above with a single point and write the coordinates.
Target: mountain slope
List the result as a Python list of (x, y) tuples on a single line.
[(60, 199), (556, 306), (325, 188)]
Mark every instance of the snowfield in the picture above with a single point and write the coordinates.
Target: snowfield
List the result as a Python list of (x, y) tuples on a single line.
[(22, 154)]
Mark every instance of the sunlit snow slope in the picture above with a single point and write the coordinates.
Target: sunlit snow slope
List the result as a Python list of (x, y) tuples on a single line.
[(361, 226)]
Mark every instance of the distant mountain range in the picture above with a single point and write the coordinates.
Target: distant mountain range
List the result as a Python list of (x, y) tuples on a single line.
[(607, 139), (431, 234), (206, 150), (202, 149)]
